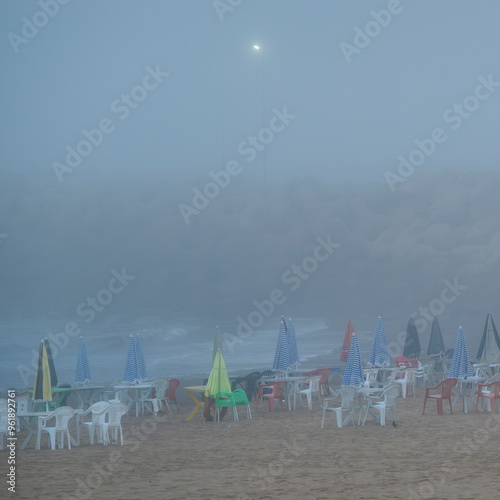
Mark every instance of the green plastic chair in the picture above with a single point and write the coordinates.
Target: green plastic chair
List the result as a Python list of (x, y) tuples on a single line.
[(224, 399), (240, 399)]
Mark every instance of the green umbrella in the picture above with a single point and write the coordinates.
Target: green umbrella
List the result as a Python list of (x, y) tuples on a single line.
[(217, 343), (218, 381)]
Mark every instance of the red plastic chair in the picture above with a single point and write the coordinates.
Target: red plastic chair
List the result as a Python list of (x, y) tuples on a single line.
[(323, 383), (173, 383), (276, 393), (492, 393), (445, 388)]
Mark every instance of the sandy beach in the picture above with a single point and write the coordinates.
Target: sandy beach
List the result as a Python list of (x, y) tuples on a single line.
[(278, 455)]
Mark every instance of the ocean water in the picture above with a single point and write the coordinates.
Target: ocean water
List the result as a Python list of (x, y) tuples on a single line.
[(171, 349)]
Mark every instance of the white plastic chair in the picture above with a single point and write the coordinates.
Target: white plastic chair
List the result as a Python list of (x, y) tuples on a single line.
[(370, 377), (114, 413), (388, 396), (421, 375), (407, 381), (62, 417), (347, 394), (160, 387), (92, 426), (481, 372), (312, 389)]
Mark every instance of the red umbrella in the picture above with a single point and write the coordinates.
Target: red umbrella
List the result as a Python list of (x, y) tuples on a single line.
[(347, 342)]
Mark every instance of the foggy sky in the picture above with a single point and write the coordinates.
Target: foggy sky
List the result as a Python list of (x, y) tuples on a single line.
[(119, 117)]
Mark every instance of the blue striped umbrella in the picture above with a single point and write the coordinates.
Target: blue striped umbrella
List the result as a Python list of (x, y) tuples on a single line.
[(282, 354), (460, 363), (353, 374), (130, 373), (141, 365), (379, 355), (292, 344), (82, 364)]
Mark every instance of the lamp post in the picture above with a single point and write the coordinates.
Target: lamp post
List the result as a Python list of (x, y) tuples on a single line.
[(258, 48)]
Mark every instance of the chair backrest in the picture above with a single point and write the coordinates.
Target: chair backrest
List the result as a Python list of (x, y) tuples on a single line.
[(495, 378), (347, 394), (278, 388), (446, 386), (314, 383), (370, 377), (240, 397), (409, 375), (481, 371), (493, 387), (160, 386), (62, 416), (23, 402), (97, 411), (390, 394), (173, 383), (115, 412)]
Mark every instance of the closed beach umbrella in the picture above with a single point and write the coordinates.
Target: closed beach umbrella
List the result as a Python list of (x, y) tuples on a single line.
[(217, 343), (379, 355), (42, 390), (218, 380), (141, 365), (460, 363), (130, 373), (353, 374), (489, 348), (292, 345), (436, 344), (411, 349), (50, 358), (347, 342), (282, 353), (82, 364)]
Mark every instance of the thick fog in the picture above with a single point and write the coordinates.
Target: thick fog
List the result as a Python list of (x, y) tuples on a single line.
[(218, 159), (349, 251)]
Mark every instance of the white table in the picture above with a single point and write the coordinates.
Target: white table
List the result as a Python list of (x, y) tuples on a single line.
[(133, 394), (87, 395), (292, 385), (365, 393), (462, 385), (29, 421)]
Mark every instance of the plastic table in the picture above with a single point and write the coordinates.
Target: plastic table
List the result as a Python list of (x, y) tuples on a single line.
[(199, 404)]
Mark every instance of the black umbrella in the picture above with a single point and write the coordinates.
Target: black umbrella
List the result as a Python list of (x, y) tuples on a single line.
[(411, 349), (436, 344)]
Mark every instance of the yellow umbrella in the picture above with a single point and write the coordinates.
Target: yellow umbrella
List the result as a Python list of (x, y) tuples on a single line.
[(218, 381), (217, 343), (43, 387)]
